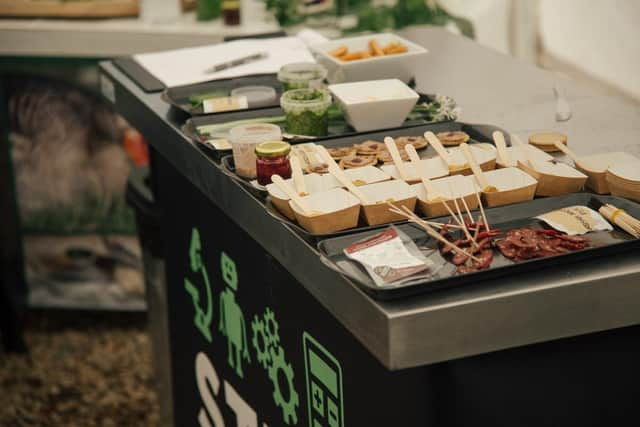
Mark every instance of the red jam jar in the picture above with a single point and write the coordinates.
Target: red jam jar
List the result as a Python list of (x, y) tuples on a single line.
[(272, 158)]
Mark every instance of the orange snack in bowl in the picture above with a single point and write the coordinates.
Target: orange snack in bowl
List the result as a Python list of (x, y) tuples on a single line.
[(375, 48), (342, 50)]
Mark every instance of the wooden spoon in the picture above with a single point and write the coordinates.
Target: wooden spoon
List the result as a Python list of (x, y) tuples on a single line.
[(338, 174), (442, 152), (501, 146), (298, 178), (293, 195), (569, 152), (526, 150), (432, 194), (395, 156), (477, 171)]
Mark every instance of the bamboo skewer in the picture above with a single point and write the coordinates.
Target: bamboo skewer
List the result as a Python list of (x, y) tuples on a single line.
[(395, 156), (484, 217), (293, 195), (622, 219), (430, 231)]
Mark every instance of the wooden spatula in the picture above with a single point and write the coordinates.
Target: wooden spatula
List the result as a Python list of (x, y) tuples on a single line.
[(338, 174), (501, 146), (477, 171), (432, 193), (569, 152), (442, 152), (395, 156), (298, 177), (293, 195)]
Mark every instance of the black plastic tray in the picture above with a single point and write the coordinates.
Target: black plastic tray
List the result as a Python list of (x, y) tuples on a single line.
[(190, 127), (178, 96), (476, 132), (504, 218)]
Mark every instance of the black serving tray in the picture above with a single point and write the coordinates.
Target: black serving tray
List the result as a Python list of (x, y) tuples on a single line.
[(178, 96), (478, 134), (190, 127), (504, 218)]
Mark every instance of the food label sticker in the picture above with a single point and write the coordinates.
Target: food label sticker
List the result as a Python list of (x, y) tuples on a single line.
[(229, 103), (219, 144)]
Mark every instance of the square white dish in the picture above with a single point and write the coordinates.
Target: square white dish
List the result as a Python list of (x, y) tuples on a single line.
[(375, 104)]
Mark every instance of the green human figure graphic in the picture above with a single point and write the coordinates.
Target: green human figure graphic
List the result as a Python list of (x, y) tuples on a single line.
[(203, 317), (232, 323)]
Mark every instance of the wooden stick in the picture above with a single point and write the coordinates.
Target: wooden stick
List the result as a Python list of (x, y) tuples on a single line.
[(433, 233), (293, 195), (482, 180), (465, 229), (501, 146), (569, 152), (484, 217), (338, 174), (395, 156), (437, 145), (432, 193), (298, 178)]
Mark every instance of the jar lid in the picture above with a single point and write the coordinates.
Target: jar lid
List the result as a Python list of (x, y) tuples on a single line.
[(230, 5), (301, 72), (273, 149)]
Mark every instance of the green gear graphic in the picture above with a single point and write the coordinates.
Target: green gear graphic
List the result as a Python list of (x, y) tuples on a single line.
[(260, 336), (271, 327), (288, 407)]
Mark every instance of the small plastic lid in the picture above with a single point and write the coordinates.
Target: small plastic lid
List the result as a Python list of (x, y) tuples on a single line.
[(306, 99), (273, 149), (254, 133), (257, 96), (230, 5), (301, 72)]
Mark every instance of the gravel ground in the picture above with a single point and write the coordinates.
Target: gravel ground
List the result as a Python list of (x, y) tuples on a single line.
[(84, 369)]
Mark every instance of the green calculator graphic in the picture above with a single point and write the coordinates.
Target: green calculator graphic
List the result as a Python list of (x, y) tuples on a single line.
[(324, 385)]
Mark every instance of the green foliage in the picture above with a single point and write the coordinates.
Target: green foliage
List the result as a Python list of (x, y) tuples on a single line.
[(91, 215), (377, 18)]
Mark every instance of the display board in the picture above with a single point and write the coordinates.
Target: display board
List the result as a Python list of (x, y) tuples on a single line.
[(251, 347)]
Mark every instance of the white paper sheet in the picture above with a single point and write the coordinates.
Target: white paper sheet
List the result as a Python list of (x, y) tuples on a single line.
[(188, 66)]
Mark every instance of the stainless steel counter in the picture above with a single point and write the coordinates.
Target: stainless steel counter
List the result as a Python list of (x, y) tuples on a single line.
[(513, 311)]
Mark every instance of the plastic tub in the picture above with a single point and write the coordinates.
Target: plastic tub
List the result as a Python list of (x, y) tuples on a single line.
[(307, 111), (302, 75), (257, 96), (244, 139)]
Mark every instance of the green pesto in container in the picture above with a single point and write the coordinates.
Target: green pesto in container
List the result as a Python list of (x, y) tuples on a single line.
[(306, 111)]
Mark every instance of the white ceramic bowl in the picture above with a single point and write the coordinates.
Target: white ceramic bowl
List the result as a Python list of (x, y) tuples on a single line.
[(400, 66), (375, 104)]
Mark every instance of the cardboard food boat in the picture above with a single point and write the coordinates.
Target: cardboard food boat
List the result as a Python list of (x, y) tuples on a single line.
[(377, 211), (596, 165), (486, 159), (456, 186), (315, 184), (431, 168), (555, 179), (331, 211), (515, 154), (624, 179), (512, 184), (360, 176)]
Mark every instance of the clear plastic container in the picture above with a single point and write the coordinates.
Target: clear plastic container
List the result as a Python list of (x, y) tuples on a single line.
[(307, 111), (257, 96), (243, 140), (302, 75)]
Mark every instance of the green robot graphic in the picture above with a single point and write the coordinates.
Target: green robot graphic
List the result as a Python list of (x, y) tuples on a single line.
[(203, 317), (232, 324)]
